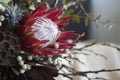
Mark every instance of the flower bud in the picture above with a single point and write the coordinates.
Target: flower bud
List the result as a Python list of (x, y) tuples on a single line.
[(2, 18), (30, 57), (19, 58), (24, 66), (2, 8), (22, 71), (0, 23), (21, 62)]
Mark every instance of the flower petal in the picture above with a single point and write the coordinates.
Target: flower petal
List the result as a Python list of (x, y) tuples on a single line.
[(62, 25), (39, 10), (34, 42), (43, 51), (59, 21), (63, 43), (52, 13), (67, 34)]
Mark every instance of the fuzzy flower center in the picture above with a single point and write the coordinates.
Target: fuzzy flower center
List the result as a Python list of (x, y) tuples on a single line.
[(46, 30)]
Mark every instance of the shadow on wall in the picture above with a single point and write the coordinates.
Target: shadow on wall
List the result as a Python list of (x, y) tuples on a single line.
[(109, 9)]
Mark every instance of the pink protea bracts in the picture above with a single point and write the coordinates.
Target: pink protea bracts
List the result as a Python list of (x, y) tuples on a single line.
[(41, 31)]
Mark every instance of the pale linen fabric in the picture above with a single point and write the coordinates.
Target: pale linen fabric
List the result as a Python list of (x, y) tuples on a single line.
[(93, 62)]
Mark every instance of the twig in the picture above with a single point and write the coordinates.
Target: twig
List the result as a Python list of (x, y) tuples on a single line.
[(96, 53), (89, 45), (109, 45), (84, 73), (55, 3)]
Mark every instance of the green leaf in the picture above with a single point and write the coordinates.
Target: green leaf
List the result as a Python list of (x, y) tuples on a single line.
[(98, 17), (68, 12), (75, 18), (87, 19), (64, 2), (106, 22), (96, 23)]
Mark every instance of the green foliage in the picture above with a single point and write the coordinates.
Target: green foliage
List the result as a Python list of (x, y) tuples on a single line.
[(87, 18), (64, 2), (98, 17), (75, 18), (68, 12)]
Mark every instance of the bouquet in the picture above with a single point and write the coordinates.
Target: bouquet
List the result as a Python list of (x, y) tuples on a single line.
[(33, 41)]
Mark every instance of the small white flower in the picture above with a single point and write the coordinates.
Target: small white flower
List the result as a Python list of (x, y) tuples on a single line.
[(24, 66), (56, 46), (38, 64), (30, 57), (19, 58), (2, 18), (39, 1), (0, 23), (28, 67), (2, 8), (22, 52), (21, 62), (22, 71)]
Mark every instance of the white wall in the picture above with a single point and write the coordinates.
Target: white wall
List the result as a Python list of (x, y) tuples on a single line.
[(109, 9)]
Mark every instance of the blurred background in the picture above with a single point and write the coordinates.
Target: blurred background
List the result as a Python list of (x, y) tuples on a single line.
[(110, 10)]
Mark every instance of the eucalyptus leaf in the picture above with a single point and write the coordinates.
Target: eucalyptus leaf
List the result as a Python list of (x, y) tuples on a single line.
[(64, 2), (98, 17), (96, 23), (86, 21), (68, 12), (75, 18), (106, 22)]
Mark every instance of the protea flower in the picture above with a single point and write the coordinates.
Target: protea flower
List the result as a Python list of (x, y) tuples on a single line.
[(41, 31)]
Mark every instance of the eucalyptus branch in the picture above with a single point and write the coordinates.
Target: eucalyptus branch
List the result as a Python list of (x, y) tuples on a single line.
[(55, 3), (88, 45), (83, 9), (96, 53), (85, 73), (109, 45), (69, 4), (98, 78)]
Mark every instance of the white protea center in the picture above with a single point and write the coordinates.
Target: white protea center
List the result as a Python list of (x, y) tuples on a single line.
[(46, 30)]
